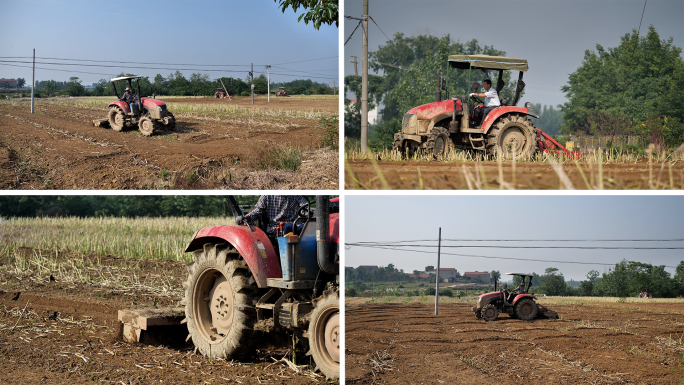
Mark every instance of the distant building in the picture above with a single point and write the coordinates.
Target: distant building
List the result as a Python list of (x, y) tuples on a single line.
[(8, 83), (448, 272), (367, 268), (477, 276)]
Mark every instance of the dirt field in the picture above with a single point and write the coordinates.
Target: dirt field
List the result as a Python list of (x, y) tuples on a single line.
[(65, 331), (450, 175), (594, 343), (217, 143)]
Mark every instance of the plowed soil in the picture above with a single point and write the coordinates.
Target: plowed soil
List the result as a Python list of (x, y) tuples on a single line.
[(59, 148), (609, 343), (66, 331), (450, 175)]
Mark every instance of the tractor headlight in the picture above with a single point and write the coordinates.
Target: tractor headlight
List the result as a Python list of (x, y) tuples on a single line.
[(528, 105), (160, 108)]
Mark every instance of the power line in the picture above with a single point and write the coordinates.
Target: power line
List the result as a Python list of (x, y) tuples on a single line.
[(54, 69), (510, 258), (125, 62), (302, 61), (527, 247)]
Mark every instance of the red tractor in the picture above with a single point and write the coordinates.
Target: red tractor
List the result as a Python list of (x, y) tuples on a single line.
[(243, 284), (147, 113), (282, 92), (436, 127), (517, 303)]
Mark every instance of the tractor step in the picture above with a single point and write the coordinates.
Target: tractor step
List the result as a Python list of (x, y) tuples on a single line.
[(294, 285), (138, 321), (101, 123)]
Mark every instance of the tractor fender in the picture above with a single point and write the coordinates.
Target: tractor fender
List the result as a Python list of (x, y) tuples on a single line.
[(498, 112), (254, 247), (434, 112), (520, 297), (123, 105)]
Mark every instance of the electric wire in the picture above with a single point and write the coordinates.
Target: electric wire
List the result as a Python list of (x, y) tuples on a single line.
[(507, 258)]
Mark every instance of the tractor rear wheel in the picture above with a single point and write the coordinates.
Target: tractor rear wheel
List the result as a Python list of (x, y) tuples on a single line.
[(512, 135), (526, 309), (324, 334), (117, 119), (490, 313), (147, 125), (220, 294), (438, 142)]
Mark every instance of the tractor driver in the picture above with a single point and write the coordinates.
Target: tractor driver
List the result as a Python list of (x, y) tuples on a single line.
[(491, 101), (277, 208), (128, 97)]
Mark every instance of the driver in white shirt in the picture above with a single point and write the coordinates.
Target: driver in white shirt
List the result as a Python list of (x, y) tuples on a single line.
[(491, 101)]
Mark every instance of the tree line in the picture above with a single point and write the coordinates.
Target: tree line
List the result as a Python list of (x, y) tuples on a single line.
[(124, 206), (625, 279), (178, 85)]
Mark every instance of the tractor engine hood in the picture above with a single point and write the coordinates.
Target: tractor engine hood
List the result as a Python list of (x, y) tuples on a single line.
[(430, 110)]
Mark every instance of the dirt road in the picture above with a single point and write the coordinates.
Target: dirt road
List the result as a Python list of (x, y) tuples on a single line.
[(609, 343), (411, 175), (59, 148)]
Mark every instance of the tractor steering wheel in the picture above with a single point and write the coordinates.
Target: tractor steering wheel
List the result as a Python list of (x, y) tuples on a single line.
[(301, 213), (477, 99)]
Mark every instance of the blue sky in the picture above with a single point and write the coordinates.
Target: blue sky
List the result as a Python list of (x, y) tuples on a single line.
[(551, 35), (174, 32), (406, 217)]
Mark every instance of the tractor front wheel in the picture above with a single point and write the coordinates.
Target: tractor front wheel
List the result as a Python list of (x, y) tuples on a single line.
[(512, 136), (438, 142), (146, 125), (220, 294), (117, 119), (324, 334), (526, 309), (490, 313), (169, 122)]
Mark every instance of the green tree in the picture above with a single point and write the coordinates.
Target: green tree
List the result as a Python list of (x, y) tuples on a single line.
[(317, 11), (21, 82), (50, 87), (74, 87), (586, 287), (679, 278), (550, 119), (553, 282), (647, 70)]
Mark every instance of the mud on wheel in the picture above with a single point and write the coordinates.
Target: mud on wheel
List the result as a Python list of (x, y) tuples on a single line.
[(512, 135), (438, 143), (169, 122), (219, 302), (490, 313), (117, 119), (324, 334), (147, 126)]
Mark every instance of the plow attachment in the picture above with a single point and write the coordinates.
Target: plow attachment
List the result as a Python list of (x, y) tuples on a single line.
[(544, 312), (101, 123), (547, 144)]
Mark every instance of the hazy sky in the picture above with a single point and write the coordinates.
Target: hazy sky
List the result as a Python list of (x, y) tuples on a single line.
[(169, 32), (551, 35), (395, 218)]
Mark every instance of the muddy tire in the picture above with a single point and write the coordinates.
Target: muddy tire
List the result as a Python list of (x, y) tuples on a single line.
[(478, 313), (526, 309), (324, 334), (512, 134), (438, 143), (147, 126), (117, 118), (220, 294), (490, 313)]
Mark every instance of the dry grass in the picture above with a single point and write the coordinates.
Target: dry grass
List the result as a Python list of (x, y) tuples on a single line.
[(155, 238)]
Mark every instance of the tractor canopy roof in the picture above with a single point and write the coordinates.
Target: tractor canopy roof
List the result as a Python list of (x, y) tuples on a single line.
[(521, 274), (125, 78), (487, 62)]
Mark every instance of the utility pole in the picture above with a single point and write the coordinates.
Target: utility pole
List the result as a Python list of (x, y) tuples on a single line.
[(439, 249), (251, 76), (364, 82), (356, 72), (268, 71), (333, 87), (33, 81)]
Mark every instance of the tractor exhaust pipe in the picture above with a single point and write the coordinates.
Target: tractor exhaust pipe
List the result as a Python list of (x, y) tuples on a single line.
[(323, 235)]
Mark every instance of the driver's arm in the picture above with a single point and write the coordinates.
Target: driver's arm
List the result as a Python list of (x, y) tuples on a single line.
[(258, 209)]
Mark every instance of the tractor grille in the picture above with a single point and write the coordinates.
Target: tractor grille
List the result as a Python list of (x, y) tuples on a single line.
[(407, 119)]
